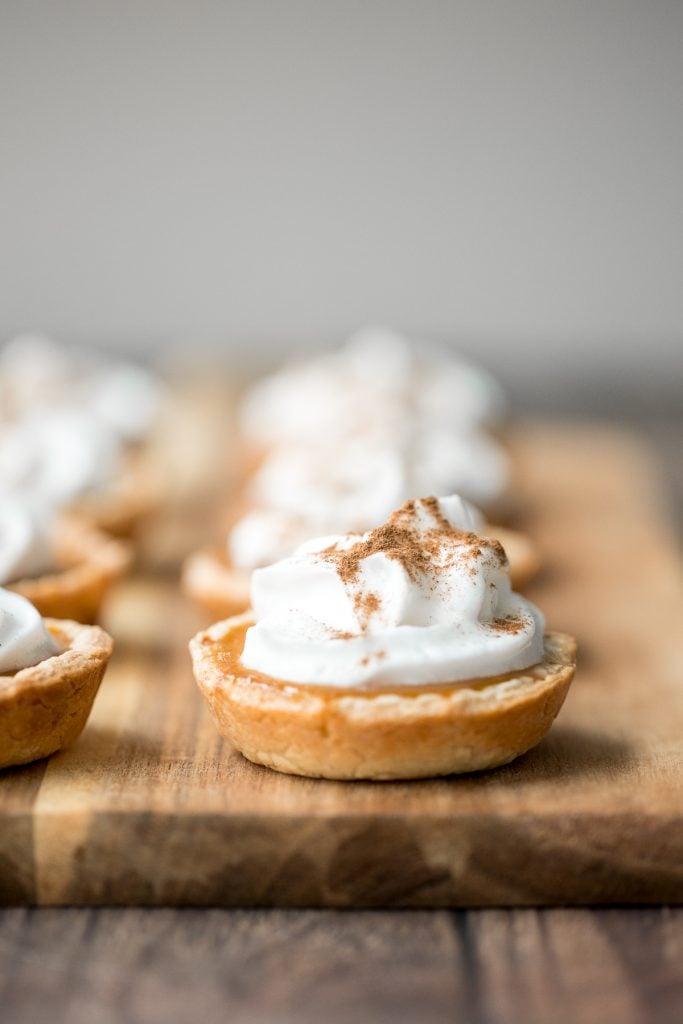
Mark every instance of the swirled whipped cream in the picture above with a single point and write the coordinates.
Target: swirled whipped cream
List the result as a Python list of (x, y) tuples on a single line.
[(435, 381), (376, 383), (51, 458), (443, 460), (125, 397), (24, 640), (266, 534), (34, 371), (363, 480), (356, 487), (299, 491), (420, 600), (37, 372), (25, 541)]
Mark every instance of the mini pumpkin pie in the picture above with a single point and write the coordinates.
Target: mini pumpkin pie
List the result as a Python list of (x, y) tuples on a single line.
[(75, 431), (68, 458), (379, 379), (62, 565), (50, 671), (400, 653)]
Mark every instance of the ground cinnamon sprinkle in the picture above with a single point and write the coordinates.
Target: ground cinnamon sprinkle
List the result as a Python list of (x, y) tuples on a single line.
[(377, 655), (422, 551), (507, 625), (432, 505), (394, 541), (366, 605), (416, 549)]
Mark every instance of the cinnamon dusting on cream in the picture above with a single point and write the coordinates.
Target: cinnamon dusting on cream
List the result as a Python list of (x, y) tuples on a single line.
[(507, 625), (340, 634), (420, 551), (365, 605)]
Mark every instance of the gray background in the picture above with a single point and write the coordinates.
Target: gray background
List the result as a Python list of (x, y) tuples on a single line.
[(504, 174)]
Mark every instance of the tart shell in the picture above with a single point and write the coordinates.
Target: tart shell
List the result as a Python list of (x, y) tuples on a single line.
[(377, 734), (91, 563), (45, 708), (217, 587)]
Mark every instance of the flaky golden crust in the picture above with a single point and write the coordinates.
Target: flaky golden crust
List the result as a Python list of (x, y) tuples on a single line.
[(90, 563), (383, 734), (216, 586), (45, 708)]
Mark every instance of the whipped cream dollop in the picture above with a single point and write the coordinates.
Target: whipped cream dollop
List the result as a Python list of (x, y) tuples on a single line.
[(362, 481), (354, 487), (125, 397), (34, 371), (24, 640), (25, 541), (300, 491), (50, 458), (351, 435), (422, 599), (374, 384), (267, 534), (37, 372)]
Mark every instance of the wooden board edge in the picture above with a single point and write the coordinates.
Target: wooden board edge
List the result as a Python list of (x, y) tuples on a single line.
[(150, 859)]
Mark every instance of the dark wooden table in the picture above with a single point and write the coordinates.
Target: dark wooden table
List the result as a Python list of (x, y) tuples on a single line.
[(327, 967), (566, 966)]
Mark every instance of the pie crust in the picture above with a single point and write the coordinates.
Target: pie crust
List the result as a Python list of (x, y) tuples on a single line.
[(89, 563), (45, 707), (216, 586), (384, 733)]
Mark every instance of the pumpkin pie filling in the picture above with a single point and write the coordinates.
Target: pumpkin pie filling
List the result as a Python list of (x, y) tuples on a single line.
[(226, 653)]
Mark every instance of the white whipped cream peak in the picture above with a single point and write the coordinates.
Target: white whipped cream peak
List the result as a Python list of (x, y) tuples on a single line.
[(422, 599), (37, 372), (301, 491), (442, 460), (375, 382), (355, 486), (361, 479), (51, 458), (372, 424), (126, 397), (24, 640), (26, 536), (436, 380), (34, 371), (266, 534)]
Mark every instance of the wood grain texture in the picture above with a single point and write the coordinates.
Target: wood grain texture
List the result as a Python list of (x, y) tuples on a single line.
[(302, 967), (151, 807)]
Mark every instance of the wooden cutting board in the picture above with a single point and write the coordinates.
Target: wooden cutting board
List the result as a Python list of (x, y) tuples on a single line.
[(152, 807)]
